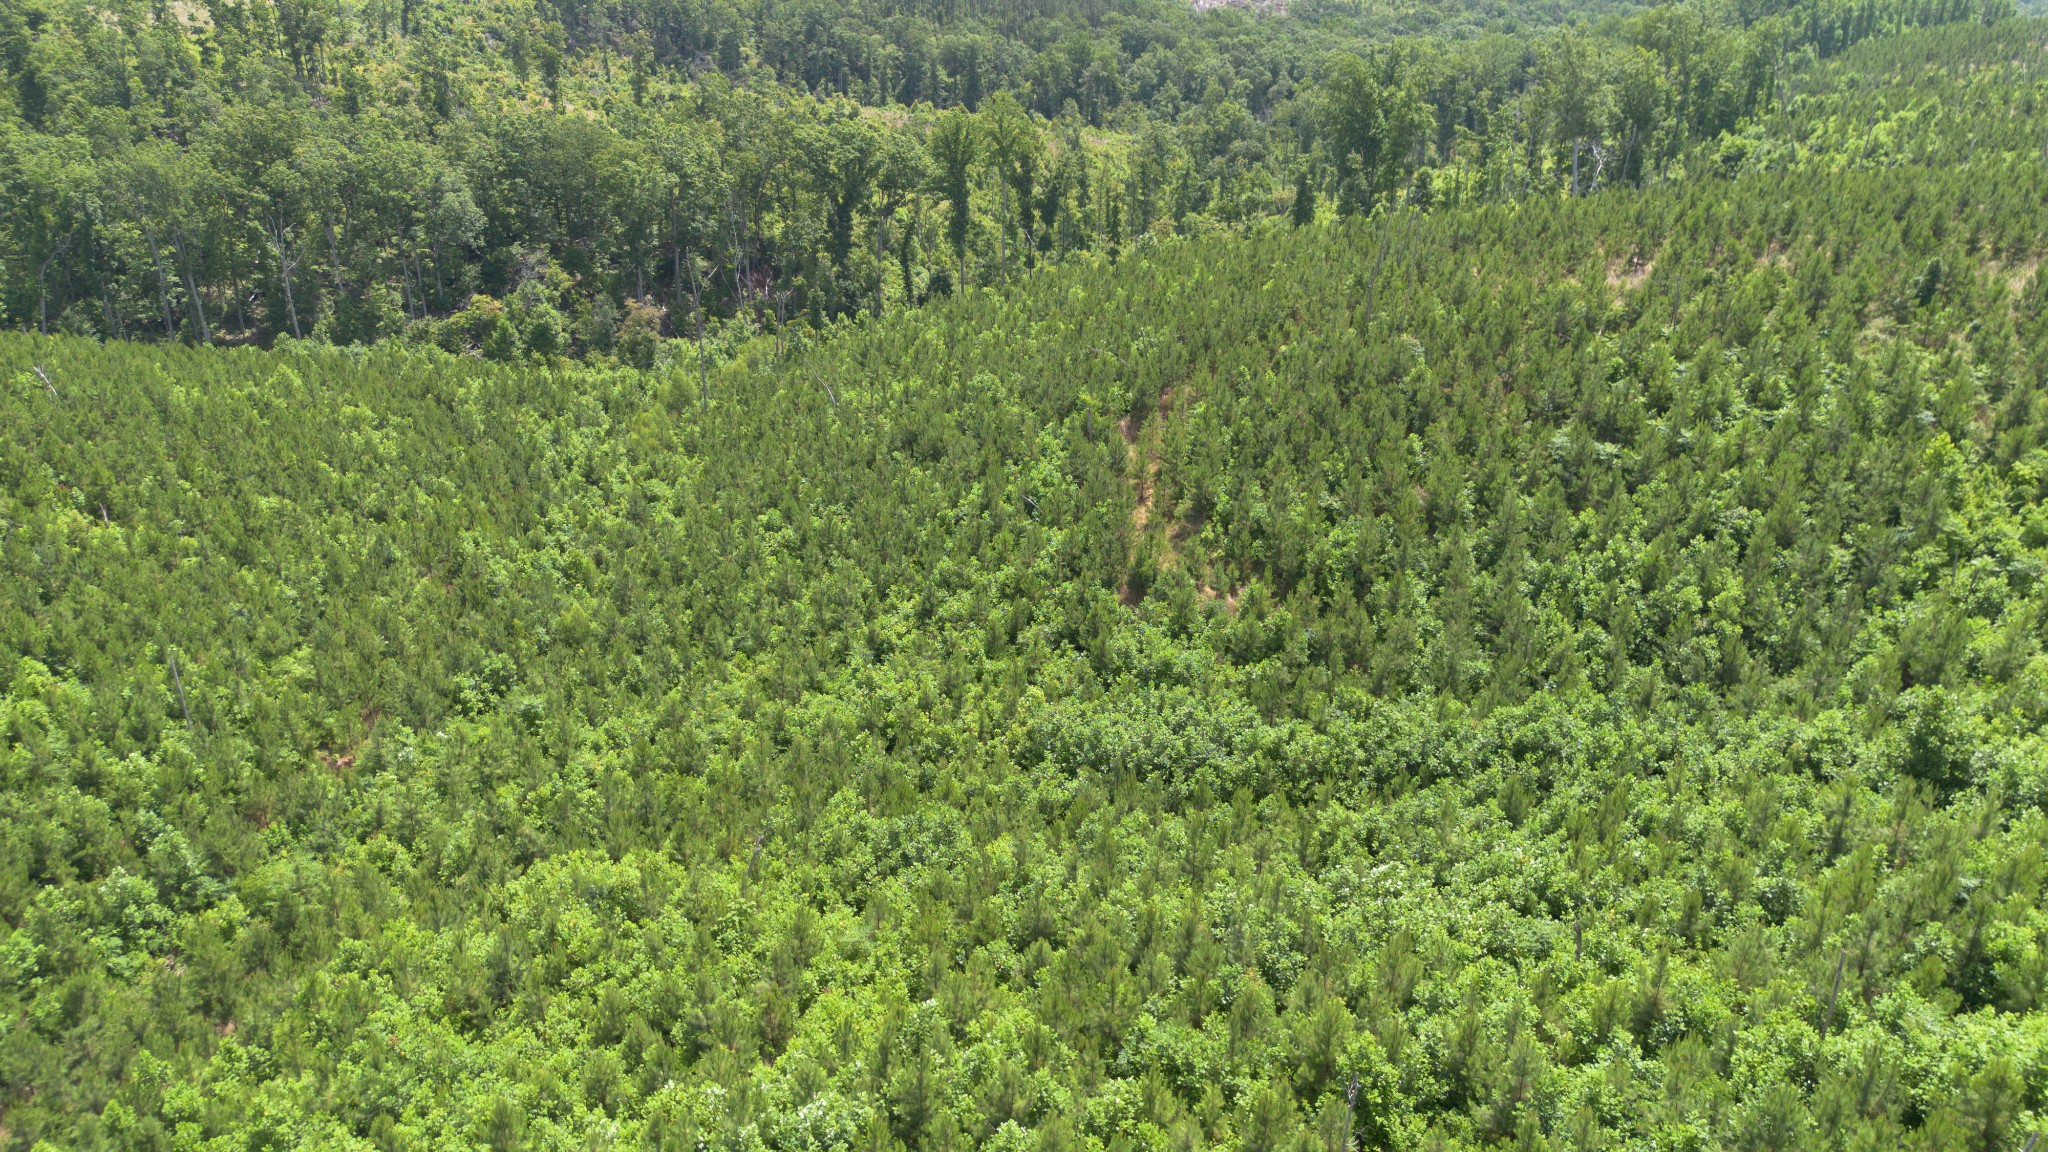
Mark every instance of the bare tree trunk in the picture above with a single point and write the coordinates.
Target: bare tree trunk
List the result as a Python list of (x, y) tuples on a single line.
[(697, 307), (163, 283), (241, 300), (1372, 283), (192, 291), (179, 683), (284, 275), (198, 307), (739, 260), (1828, 1021)]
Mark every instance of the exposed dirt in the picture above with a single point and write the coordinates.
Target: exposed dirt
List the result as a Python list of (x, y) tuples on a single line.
[(1143, 452), (1142, 435), (343, 761), (1629, 272), (1148, 473), (2020, 275)]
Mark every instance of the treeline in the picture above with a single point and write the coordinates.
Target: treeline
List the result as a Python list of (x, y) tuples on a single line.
[(1562, 674), (560, 180)]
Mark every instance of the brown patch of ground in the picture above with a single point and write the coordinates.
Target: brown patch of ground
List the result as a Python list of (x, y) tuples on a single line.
[(1148, 468), (1143, 452), (1629, 272), (2020, 275), (1142, 433), (343, 761)]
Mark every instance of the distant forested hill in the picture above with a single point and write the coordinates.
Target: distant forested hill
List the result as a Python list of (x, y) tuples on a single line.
[(1546, 672), (529, 181)]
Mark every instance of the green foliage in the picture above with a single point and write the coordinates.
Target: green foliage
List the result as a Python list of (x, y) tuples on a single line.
[(355, 174), (1539, 671)]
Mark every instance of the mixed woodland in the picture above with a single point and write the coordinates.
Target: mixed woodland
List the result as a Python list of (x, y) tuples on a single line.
[(681, 576), (528, 179)]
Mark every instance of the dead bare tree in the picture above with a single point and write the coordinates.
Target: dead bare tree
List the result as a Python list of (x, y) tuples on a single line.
[(279, 234)]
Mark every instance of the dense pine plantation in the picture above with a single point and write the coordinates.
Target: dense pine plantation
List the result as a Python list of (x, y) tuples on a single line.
[(1555, 674)]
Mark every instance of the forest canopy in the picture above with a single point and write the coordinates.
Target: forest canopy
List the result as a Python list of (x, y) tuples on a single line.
[(1541, 649), (527, 180)]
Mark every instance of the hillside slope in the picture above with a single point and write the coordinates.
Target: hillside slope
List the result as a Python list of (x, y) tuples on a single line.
[(1564, 675)]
